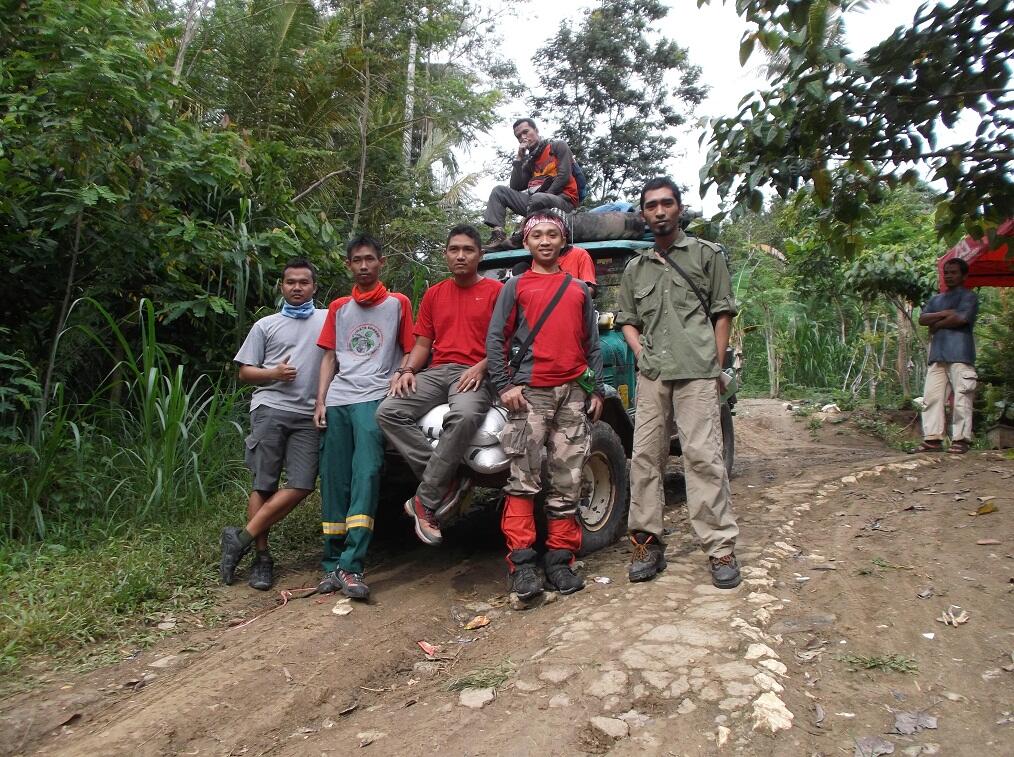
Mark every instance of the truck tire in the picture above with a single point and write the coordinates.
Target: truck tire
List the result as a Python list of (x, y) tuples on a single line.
[(602, 510), (728, 438)]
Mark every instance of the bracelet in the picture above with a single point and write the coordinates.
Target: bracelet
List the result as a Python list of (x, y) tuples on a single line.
[(406, 369)]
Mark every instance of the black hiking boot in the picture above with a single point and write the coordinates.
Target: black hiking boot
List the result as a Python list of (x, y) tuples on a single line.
[(560, 575), (262, 572), (648, 559), (725, 572), (232, 552), (524, 580)]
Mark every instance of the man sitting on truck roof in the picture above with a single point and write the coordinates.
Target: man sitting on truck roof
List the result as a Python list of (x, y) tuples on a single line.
[(542, 177), (452, 323)]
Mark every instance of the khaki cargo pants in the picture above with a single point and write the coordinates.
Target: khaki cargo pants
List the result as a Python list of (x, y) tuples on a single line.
[(962, 379), (693, 404), (556, 422)]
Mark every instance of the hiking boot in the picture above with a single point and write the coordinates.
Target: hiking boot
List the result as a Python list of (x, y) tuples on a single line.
[(524, 580), (426, 526), (329, 584), (352, 584), (455, 494), (262, 572), (560, 575), (497, 241), (648, 559), (232, 552), (725, 571)]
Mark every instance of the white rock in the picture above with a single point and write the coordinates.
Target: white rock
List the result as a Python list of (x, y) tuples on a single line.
[(774, 666), (164, 662), (771, 714), (760, 598), (756, 651), (614, 728), (686, 706), (722, 736), (767, 683), (476, 698), (608, 684), (559, 700), (556, 674)]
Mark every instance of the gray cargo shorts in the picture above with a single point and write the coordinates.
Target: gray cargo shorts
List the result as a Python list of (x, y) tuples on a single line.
[(279, 438)]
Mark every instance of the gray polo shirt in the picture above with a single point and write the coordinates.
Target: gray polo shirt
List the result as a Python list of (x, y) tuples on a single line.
[(954, 345), (271, 340)]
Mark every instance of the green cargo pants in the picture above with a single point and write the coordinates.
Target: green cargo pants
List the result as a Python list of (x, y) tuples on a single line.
[(351, 455)]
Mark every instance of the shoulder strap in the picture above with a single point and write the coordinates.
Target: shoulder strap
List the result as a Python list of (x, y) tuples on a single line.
[(519, 357), (705, 302)]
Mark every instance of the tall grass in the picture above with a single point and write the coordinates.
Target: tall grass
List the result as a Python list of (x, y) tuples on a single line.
[(150, 444)]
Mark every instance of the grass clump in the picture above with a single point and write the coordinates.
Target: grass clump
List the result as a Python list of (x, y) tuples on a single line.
[(483, 678), (891, 662)]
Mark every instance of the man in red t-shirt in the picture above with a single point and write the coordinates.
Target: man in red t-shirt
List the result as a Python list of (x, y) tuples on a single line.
[(451, 325), (545, 384)]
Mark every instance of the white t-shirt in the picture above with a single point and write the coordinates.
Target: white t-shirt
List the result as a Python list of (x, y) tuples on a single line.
[(271, 340)]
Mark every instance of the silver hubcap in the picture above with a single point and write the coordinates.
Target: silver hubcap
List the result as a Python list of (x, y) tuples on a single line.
[(597, 492)]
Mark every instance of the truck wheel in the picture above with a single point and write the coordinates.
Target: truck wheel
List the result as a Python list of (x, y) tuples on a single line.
[(728, 438), (602, 509)]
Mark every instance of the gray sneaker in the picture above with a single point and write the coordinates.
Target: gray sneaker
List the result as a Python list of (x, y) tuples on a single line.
[(232, 553), (725, 571), (329, 584), (262, 572)]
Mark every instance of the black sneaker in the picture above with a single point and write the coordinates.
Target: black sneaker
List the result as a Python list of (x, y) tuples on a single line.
[(262, 572), (648, 559), (725, 572), (524, 580), (232, 552), (560, 576), (329, 584), (426, 526), (352, 584)]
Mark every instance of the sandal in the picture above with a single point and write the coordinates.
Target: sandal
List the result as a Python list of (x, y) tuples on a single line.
[(929, 445), (958, 447)]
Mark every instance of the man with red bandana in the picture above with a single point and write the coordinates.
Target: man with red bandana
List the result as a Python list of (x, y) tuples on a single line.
[(542, 177), (366, 337), (550, 389)]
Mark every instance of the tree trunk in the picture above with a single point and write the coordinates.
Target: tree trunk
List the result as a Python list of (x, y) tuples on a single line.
[(364, 117), (902, 359), (47, 384), (406, 143), (774, 380), (189, 32)]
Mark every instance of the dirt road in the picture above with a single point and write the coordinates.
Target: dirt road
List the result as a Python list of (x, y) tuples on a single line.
[(850, 551)]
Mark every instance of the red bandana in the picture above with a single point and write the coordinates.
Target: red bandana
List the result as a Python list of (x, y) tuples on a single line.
[(373, 297)]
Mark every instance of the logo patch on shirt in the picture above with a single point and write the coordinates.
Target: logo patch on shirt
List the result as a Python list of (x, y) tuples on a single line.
[(365, 339)]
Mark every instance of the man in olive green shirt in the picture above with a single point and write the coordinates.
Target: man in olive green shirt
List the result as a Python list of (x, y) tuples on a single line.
[(677, 339)]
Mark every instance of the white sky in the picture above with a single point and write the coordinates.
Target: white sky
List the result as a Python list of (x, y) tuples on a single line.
[(711, 34)]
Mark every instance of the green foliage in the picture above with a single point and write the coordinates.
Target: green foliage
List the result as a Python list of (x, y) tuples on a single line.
[(607, 86), (852, 127), (885, 663), (159, 452)]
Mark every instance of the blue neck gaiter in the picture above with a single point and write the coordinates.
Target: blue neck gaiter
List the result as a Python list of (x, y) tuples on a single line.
[(298, 312)]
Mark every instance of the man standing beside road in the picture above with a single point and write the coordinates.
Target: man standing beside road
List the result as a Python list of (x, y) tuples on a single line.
[(678, 335), (542, 177), (950, 316), (280, 357), (452, 323), (366, 336)]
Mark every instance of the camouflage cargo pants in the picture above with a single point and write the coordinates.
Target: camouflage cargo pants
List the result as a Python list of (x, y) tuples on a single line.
[(555, 421)]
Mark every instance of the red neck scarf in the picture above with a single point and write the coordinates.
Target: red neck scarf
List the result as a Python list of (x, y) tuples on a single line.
[(373, 297)]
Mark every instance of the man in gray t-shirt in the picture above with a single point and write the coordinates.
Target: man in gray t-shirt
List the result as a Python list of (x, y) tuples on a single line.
[(950, 317), (281, 359)]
